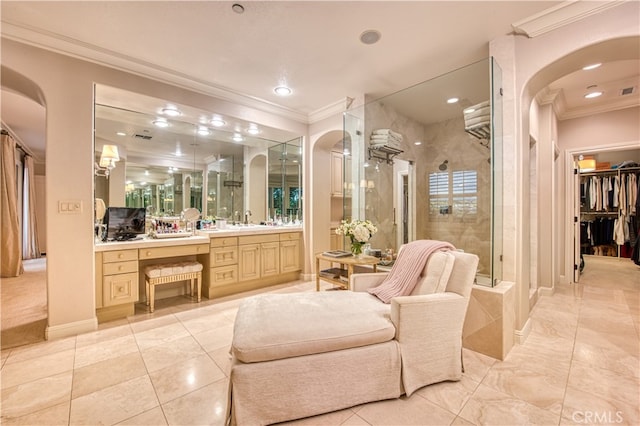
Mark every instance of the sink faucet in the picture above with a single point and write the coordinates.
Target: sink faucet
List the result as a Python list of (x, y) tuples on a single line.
[(246, 217)]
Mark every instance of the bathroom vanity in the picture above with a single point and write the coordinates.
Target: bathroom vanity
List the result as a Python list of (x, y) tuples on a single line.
[(250, 257)]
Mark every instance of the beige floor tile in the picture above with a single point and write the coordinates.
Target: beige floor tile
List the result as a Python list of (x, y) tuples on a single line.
[(187, 376), (222, 358), (17, 373), (582, 406), (114, 404), (610, 358), (157, 336), (355, 420), (449, 395), (527, 381), (339, 417), (476, 365), (207, 405), (217, 338), (140, 323), (36, 350), (206, 322), (153, 417), (58, 415), (405, 411), (171, 353), (103, 374), (615, 339), (37, 395), (604, 383), (101, 351), (103, 336), (490, 407)]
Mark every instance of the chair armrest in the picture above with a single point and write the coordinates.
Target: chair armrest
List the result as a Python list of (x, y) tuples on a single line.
[(427, 314), (364, 281), (429, 332)]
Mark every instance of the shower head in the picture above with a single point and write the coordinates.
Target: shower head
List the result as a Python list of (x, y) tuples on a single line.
[(443, 166)]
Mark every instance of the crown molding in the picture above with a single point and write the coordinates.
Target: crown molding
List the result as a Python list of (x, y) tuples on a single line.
[(330, 110), (560, 15), (599, 109), (91, 53)]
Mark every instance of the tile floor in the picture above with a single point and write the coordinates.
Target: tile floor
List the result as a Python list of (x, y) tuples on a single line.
[(579, 365)]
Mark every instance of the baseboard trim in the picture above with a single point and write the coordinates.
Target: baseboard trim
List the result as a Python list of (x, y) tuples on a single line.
[(70, 329), (520, 336), (546, 291), (307, 277)]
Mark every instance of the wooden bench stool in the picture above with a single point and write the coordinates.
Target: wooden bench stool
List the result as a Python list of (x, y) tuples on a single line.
[(169, 273)]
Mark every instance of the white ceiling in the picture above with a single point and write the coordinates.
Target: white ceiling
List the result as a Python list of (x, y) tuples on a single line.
[(312, 46)]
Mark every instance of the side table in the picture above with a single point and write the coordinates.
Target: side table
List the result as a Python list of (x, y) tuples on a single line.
[(349, 261)]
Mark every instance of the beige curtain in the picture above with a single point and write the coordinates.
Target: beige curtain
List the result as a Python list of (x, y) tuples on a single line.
[(30, 246), (10, 253)]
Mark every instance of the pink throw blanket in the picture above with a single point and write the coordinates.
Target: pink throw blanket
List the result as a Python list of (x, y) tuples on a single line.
[(407, 268)]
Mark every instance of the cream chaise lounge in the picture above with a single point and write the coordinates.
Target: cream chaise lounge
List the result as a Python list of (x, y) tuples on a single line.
[(303, 354)]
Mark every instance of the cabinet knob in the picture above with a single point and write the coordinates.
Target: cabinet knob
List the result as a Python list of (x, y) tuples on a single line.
[(120, 255), (148, 253), (120, 268)]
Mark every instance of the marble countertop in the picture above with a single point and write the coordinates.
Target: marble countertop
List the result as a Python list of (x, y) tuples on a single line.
[(234, 231), (147, 242)]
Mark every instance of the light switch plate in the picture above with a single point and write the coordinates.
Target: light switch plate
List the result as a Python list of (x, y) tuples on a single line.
[(70, 206)]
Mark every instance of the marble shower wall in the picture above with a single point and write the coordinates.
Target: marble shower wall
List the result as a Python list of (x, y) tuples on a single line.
[(472, 233), (442, 141)]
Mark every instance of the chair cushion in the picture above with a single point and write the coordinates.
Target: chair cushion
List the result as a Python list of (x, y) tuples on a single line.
[(436, 273), (277, 326), (167, 269)]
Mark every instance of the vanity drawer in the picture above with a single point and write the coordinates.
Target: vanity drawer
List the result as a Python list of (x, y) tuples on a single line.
[(224, 242), (119, 256), (120, 267), (289, 236), (119, 289), (175, 251), (224, 275), (222, 256), (257, 239)]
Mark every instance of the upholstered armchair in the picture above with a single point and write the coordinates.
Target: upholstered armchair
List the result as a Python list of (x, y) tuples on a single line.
[(303, 354)]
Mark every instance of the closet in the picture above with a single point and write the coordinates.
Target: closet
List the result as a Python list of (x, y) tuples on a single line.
[(608, 210)]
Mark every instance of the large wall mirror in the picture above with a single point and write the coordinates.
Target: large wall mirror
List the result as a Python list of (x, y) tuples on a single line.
[(166, 157)]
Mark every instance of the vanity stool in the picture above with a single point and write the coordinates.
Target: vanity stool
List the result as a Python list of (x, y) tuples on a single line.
[(169, 273)]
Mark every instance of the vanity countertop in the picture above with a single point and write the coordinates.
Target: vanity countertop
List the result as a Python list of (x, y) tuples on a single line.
[(234, 231), (148, 242)]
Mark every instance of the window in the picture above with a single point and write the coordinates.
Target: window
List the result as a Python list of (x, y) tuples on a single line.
[(453, 194)]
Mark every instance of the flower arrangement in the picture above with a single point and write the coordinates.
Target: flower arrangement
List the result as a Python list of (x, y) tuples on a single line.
[(358, 231)]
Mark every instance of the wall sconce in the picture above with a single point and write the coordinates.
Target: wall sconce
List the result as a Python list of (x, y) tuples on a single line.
[(108, 160)]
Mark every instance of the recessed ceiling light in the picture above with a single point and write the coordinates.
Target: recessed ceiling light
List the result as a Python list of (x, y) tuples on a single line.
[(452, 100), (282, 91), (237, 8), (161, 122), (253, 129), (370, 36), (203, 131), (218, 122), (237, 137), (417, 143), (592, 95), (592, 66), (171, 111), (121, 134)]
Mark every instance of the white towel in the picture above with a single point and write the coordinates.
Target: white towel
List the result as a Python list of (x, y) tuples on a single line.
[(387, 132), (478, 112), (485, 119)]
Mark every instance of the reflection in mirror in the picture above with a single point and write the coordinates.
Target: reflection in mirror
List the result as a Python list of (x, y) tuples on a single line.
[(285, 184), (168, 164)]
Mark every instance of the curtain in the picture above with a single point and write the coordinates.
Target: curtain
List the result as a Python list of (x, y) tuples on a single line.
[(30, 246), (10, 253)]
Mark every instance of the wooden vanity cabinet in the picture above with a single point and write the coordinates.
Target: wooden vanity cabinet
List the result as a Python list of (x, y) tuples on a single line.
[(116, 283)]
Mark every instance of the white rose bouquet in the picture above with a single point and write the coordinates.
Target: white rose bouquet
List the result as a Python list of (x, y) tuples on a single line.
[(358, 231)]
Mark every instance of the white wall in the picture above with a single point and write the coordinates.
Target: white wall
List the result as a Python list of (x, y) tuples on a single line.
[(528, 65)]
